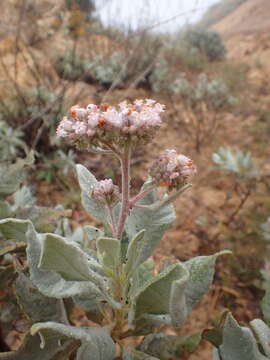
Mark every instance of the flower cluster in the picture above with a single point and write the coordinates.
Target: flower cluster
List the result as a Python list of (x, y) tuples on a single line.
[(172, 170), (105, 192), (108, 125)]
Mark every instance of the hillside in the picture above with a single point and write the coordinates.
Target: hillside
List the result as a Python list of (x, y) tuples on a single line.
[(251, 17)]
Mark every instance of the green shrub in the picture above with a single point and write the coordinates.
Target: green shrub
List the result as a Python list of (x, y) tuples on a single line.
[(208, 42), (11, 142), (159, 76), (108, 70)]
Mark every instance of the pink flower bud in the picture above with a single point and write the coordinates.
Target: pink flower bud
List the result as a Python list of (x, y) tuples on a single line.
[(172, 170), (105, 192)]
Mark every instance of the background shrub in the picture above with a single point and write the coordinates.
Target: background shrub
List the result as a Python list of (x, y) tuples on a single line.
[(208, 42)]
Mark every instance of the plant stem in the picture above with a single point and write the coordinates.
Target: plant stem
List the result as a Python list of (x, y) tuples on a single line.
[(125, 170), (141, 195), (112, 220), (169, 199)]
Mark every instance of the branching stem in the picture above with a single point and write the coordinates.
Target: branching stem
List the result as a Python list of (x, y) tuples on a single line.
[(125, 170), (140, 196)]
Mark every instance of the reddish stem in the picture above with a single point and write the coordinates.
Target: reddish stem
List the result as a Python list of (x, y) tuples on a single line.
[(140, 196), (125, 169)]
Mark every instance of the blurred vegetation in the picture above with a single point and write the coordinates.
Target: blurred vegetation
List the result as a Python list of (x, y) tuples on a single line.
[(218, 11), (207, 42), (55, 57)]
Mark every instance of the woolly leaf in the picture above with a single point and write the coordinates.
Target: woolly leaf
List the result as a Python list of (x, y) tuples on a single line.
[(30, 350), (131, 354), (87, 183), (67, 259), (14, 229), (157, 296), (201, 270), (11, 175), (5, 210), (35, 305), (50, 283), (166, 347), (109, 252), (215, 355), (178, 307), (23, 197), (262, 332), (238, 342), (154, 222), (95, 341), (133, 252), (266, 305)]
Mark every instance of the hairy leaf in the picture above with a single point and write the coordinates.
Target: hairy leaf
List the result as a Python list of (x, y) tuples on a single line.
[(5, 210), (50, 283), (142, 275), (11, 175), (95, 341), (23, 197), (238, 342), (133, 252), (262, 332), (30, 350), (109, 252), (166, 347), (67, 259), (157, 296), (178, 307), (14, 229), (266, 305), (87, 183), (201, 270), (215, 355), (132, 354), (154, 222), (35, 305)]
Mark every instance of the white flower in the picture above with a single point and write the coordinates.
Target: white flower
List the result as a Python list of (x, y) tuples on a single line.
[(135, 123)]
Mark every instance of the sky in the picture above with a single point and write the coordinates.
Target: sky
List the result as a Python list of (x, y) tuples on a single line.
[(137, 13)]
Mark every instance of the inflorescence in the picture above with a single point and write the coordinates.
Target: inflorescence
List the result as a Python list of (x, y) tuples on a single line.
[(113, 128), (109, 125), (172, 170)]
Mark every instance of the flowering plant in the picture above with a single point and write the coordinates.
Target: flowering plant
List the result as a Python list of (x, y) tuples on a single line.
[(110, 273)]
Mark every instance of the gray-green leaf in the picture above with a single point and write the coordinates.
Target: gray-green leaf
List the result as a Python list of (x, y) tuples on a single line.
[(154, 222), (30, 349), (96, 342), (67, 259), (37, 306), (133, 253), (14, 229), (238, 342), (109, 252), (178, 307), (263, 334), (50, 283), (266, 305), (215, 355), (201, 270), (87, 183), (132, 354), (157, 296)]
